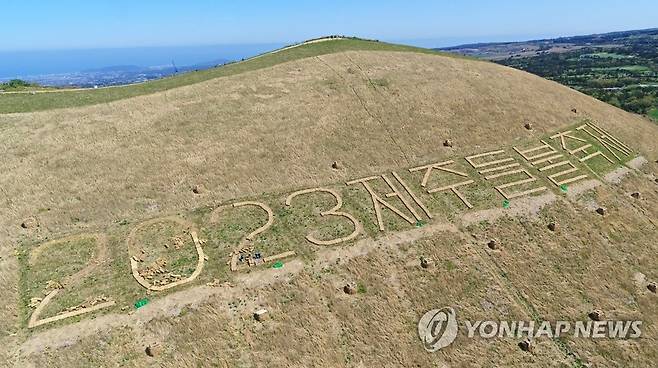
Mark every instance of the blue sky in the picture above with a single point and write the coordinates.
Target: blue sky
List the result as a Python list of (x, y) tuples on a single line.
[(71, 24)]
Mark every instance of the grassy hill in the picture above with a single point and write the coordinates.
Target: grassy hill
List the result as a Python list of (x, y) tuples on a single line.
[(146, 185), (26, 102)]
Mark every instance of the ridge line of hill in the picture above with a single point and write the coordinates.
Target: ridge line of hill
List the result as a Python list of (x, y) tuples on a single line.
[(39, 101)]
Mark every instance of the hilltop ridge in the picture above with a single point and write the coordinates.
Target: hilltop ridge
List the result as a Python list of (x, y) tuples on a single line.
[(30, 101)]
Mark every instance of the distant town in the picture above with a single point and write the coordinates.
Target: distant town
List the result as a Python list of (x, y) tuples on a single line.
[(110, 76)]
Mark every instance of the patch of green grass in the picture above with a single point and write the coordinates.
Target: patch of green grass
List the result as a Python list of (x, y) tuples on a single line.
[(166, 240), (597, 165), (20, 85), (380, 82), (653, 113), (55, 262), (26, 102)]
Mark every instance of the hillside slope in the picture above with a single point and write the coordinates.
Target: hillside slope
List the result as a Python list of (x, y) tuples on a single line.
[(98, 172)]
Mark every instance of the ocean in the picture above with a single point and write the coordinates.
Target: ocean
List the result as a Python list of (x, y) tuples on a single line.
[(27, 64)]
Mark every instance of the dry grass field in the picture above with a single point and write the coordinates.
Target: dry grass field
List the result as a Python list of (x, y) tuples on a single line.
[(76, 182)]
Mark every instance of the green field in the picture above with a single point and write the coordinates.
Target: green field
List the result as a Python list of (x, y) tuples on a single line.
[(628, 68), (653, 113), (608, 55), (27, 102)]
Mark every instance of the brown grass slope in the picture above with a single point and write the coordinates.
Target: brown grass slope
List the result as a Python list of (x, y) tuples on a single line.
[(279, 129)]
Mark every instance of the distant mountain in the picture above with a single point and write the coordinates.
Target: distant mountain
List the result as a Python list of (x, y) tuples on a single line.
[(502, 50)]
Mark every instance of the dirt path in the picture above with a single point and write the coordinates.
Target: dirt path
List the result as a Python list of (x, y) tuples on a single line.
[(527, 206)]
